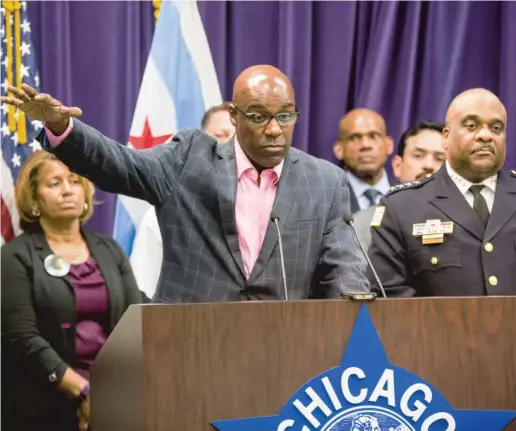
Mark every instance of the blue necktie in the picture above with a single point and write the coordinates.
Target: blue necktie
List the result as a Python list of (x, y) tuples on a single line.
[(372, 196)]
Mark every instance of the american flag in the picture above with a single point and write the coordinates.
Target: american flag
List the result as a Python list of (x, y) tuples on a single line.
[(17, 131)]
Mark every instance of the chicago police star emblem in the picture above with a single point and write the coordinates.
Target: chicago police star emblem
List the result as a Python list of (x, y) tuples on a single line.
[(368, 393)]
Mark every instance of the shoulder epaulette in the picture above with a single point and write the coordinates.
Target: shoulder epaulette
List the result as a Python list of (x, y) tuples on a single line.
[(407, 186), (402, 186)]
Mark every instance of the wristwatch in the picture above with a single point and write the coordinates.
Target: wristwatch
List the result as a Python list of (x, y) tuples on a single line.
[(85, 392)]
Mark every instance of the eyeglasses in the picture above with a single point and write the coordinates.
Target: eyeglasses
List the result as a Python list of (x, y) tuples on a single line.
[(259, 119)]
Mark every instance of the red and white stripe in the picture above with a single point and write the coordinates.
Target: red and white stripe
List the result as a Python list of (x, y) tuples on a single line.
[(9, 221)]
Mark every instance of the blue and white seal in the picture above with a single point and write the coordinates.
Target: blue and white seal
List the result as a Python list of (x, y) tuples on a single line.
[(368, 393)]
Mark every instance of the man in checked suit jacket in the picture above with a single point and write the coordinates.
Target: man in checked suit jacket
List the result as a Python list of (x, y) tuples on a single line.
[(214, 202)]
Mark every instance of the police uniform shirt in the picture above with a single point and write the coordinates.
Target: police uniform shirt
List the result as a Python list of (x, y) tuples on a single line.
[(488, 192)]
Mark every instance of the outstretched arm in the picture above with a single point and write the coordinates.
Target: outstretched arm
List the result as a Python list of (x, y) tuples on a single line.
[(115, 168), (148, 174)]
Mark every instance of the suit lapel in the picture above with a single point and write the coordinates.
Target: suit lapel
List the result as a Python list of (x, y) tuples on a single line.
[(393, 181), (225, 166), (283, 201), (504, 205), (451, 202), (104, 260), (110, 273), (353, 201)]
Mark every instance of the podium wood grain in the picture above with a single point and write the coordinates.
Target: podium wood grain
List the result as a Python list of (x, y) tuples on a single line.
[(178, 367)]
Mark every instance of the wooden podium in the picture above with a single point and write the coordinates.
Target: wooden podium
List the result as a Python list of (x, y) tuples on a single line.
[(180, 367)]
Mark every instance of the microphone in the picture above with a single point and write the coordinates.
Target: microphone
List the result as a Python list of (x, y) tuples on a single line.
[(275, 219), (348, 219)]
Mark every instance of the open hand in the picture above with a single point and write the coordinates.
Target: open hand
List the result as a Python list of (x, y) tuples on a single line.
[(39, 106)]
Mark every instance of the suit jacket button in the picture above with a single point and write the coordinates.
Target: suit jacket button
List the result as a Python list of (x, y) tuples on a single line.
[(434, 260), (488, 247), (52, 378), (493, 281)]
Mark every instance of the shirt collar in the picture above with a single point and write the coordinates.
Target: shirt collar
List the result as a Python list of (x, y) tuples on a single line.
[(359, 186), (463, 184), (244, 164)]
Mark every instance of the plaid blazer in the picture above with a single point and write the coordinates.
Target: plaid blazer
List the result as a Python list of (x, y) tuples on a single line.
[(192, 183)]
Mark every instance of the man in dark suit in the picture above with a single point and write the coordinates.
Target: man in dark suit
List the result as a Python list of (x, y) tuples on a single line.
[(147, 253), (363, 148), (214, 202), (454, 233)]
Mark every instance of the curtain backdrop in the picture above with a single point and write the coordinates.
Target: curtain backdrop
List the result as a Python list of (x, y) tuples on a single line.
[(92, 55), (406, 60)]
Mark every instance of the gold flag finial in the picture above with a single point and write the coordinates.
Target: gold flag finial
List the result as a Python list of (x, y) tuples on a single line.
[(15, 118), (157, 7), (11, 5)]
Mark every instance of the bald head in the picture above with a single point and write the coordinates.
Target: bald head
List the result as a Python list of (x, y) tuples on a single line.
[(364, 144), (264, 115), (362, 116), (472, 98), (261, 79), (474, 136)]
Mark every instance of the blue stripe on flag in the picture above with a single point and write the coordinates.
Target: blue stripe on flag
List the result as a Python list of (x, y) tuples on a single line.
[(176, 67), (174, 63), (124, 229)]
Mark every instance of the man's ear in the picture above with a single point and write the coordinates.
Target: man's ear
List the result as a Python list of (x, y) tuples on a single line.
[(233, 114), (338, 151), (446, 135), (396, 166), (390, 145)]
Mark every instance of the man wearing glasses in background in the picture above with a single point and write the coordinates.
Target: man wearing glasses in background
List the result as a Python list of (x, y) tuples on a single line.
[(214, 202)]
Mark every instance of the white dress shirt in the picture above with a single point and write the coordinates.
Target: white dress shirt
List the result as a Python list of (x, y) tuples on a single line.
[(147, 254), (359, 188), (488, 192)]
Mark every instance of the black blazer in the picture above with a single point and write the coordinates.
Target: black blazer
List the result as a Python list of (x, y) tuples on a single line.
[(36, 348)]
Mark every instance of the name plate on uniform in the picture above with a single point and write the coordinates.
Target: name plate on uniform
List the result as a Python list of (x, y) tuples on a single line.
[(432, 231)]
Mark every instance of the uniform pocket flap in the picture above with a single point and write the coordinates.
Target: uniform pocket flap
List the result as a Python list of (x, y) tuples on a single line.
[(435, 258)]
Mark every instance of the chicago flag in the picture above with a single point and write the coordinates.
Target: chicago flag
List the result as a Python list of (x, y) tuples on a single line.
[(179, 84)]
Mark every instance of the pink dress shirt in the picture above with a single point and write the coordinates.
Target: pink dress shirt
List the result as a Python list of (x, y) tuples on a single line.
[(253, 206), (253, 203), (54, 140)]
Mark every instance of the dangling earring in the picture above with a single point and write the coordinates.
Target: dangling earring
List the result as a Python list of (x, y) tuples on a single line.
[(86, 206), (36, 212)]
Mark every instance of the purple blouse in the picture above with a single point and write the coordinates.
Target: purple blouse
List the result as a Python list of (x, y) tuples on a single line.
[(92, 313)]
